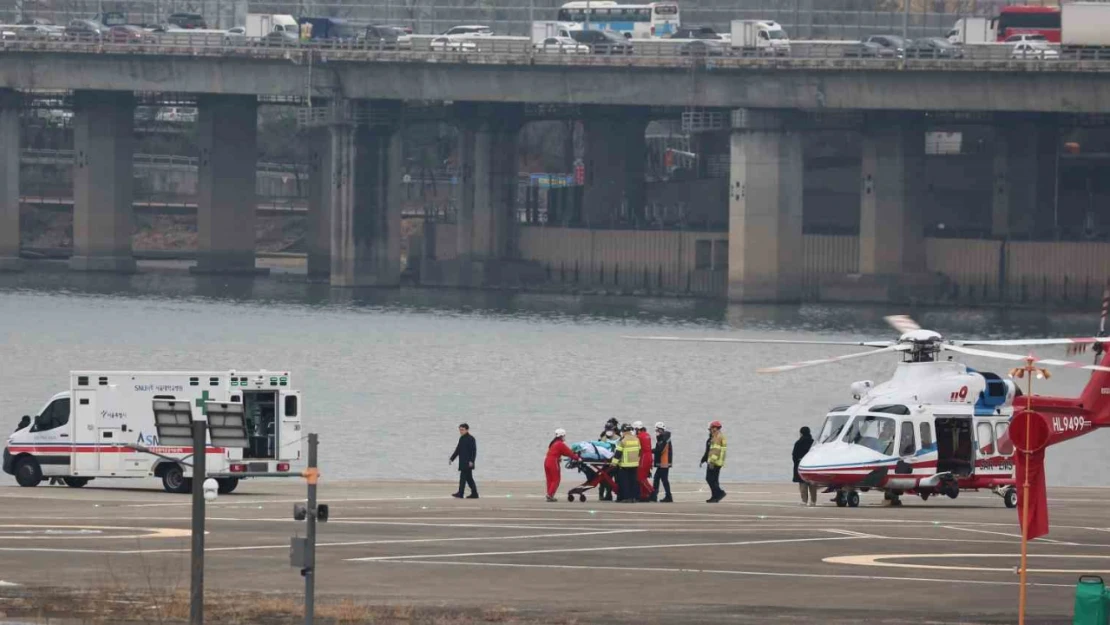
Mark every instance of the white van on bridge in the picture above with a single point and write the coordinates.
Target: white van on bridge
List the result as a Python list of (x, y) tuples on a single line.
[(103, 426)]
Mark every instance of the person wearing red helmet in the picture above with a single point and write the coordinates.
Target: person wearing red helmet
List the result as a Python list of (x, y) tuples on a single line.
[(643, 474), (556, 449), (715, 448)]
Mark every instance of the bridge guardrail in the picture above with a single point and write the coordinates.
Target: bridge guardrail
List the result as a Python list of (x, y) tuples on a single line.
[(519, 50)]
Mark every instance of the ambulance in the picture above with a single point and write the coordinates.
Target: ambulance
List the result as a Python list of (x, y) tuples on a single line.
[(103, 426)]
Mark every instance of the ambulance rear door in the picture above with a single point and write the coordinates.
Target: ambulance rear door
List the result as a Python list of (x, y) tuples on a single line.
[(289, 432)]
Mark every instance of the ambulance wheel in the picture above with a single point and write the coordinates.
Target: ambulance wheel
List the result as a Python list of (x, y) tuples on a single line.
[(841, 499), (75, 482), (174, 481), (227, 484), (28, 473), (853, 499), (1010, 497)]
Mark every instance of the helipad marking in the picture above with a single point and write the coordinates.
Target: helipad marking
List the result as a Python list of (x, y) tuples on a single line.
[(881, 560), (4, 584), (70, 532)]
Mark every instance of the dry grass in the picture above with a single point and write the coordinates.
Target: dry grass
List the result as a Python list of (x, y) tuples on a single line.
[(172, 608)]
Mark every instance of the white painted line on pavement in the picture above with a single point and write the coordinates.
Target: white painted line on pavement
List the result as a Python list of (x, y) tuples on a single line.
[(880, 560), (4, 584), (320, 545), (609, 548), (623, 569)]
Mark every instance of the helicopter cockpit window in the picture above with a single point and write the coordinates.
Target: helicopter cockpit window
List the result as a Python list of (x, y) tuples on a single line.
[(875, 433), (906, 446), (834, 425)]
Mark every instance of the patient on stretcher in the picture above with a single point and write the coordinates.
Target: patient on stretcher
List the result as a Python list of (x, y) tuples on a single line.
[(594, 451)]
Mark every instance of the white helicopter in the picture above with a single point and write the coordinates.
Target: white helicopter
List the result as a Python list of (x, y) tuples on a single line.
[(937, 426)]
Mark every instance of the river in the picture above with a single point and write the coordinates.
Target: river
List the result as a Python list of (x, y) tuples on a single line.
[(387, 375)]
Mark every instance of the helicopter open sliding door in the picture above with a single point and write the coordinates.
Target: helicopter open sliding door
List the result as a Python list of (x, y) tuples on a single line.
[(955, 448)]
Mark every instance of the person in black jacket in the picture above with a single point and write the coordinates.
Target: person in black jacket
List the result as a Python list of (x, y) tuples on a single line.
[(801, 448), (467, 452), (604, 493), (663, 456)]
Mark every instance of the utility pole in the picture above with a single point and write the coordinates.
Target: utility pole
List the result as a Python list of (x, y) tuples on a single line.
[(906, 19), (196, 587), (312, 475)]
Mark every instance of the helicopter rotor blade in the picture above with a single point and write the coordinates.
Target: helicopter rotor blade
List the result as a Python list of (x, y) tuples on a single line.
[(1035, 342), (825, 361), (1047, 362), (902, 323), (695, 339)]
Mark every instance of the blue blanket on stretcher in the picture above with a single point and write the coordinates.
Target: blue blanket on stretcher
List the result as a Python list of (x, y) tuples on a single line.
[(594, 450)]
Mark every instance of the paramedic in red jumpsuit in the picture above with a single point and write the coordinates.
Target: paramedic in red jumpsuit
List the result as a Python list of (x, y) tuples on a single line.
[(556, 449), (646, 461)]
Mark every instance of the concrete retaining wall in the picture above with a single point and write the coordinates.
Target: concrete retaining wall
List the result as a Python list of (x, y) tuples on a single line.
[(697, 262)]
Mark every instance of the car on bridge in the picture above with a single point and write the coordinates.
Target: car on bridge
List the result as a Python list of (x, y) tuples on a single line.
[(473, 30), (695, 32), (933, 48), (38, 32), (602, 41), (562, 45), (127, 33), (451, 44), (279, 39), (878, 46), (87, 30), (385, 37), (1034, 50), (188, 21)]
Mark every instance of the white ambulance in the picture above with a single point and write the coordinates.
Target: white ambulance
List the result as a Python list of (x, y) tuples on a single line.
[(104, 427)]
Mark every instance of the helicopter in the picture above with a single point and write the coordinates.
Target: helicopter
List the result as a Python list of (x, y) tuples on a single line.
[(938, 427)]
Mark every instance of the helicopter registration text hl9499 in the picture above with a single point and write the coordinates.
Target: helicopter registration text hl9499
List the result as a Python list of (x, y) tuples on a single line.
[(937, 427)]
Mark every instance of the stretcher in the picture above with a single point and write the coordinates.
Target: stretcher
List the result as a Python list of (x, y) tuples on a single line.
[(597, 473)]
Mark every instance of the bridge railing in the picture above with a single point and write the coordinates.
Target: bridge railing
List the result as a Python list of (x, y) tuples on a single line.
[(520, 50)]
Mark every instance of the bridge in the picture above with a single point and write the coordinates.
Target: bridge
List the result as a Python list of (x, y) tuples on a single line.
[(356, 98)]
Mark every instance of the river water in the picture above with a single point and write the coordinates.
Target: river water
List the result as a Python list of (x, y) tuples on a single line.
[(387, 375)]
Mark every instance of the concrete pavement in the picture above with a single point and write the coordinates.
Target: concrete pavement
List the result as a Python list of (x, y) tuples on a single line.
[(756, 557)]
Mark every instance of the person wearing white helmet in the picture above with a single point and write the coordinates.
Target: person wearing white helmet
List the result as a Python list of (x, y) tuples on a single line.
[(556, 449), (643, 475), (663, 459)]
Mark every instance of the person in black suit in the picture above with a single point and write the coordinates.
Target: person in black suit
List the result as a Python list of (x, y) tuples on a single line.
[(467, 452)]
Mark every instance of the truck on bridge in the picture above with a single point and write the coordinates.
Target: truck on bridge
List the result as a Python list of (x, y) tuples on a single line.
[(262, 24), (1085, 29)]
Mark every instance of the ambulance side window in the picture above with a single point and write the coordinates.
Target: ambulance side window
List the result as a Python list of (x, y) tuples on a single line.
[(56, 415), (290, 405)]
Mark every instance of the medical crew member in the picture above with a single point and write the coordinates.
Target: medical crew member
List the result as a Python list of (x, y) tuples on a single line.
[(644, 474), (663, 455), (627, 460), (556, 449), (715, 447)]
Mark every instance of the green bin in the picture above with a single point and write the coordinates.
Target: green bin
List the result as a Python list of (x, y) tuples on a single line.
[(1090, 601)]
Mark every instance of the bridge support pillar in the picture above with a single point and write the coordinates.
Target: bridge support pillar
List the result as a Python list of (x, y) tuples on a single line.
[(615, 163), (765, 248), (103, 142), (9, 181), (320, 181), (488, 250), (227, 201), (892, 228), (365, 212), (892, 233), (1015, 177)]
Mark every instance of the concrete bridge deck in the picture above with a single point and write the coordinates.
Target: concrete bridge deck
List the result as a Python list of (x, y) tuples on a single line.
[(811, 78), (755, 558)]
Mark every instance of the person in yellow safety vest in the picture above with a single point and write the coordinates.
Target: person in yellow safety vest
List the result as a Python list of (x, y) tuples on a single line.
[(715, 448), (627, 460)]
